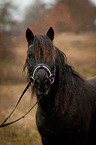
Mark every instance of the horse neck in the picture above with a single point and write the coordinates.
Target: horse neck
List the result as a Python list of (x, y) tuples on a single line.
[(47, 104), (61, 92)]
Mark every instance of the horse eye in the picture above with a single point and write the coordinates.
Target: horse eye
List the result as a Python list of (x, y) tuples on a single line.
[(37, 83)]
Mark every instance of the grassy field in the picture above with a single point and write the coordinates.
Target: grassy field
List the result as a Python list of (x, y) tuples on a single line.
[(80, 50), (81, 54), (23, 132)]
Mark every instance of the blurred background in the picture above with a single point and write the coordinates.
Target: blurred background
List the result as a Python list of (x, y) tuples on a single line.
[(74, 22)]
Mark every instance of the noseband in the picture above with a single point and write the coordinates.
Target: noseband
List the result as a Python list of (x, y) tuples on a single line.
[(47, 69)]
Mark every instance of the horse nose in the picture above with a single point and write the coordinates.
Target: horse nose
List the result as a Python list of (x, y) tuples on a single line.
[(42, 86), (45, 84), (37, 83)]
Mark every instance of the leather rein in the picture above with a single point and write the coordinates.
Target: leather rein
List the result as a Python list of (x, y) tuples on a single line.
[(31, 81), (4, 122)]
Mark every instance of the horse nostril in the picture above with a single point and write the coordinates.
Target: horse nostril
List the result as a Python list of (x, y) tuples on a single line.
[(37, 83), (47, 83)]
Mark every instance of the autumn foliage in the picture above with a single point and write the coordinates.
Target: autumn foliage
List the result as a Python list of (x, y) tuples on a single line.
[(68, 15)]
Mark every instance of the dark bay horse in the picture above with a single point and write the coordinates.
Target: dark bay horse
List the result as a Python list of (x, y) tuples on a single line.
[(66, 114)]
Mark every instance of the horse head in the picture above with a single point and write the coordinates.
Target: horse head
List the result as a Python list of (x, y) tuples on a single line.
[(40, 60)]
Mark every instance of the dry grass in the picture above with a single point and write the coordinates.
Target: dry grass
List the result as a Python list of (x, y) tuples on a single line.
[(23, 132), (81, 53), (80, 50)]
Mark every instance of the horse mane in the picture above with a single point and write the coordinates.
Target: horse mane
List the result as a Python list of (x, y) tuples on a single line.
[(66, 78)]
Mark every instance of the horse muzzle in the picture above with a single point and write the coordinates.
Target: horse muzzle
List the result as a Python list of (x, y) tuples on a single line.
[(42, 78), (42, 82)]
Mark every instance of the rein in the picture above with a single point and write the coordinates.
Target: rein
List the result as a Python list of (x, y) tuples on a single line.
[(4, 122), (31, 81)]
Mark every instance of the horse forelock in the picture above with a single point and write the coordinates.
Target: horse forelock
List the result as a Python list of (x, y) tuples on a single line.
[(43, 48)]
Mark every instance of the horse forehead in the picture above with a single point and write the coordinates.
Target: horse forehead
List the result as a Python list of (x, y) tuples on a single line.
[(41, 39)]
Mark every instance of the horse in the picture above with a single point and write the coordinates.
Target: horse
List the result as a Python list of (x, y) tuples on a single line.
[(66, 114)]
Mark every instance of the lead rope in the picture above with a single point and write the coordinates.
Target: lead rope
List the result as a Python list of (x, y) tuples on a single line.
[(4, 122)]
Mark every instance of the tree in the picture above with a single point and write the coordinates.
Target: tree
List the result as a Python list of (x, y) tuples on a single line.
[(82, 12), (34, 11), (6, 24), (6, 19)]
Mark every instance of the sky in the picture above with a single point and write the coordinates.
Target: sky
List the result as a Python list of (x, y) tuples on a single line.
[(22, 4), (93, 1)]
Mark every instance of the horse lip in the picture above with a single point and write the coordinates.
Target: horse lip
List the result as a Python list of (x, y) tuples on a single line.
[(42, 93)]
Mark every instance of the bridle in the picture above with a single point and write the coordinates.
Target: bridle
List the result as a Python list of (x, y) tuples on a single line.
[(46, 68), (51, 73)]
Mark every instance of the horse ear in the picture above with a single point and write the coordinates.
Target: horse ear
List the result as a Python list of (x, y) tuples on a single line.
[(50, 33), (29, 35)]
